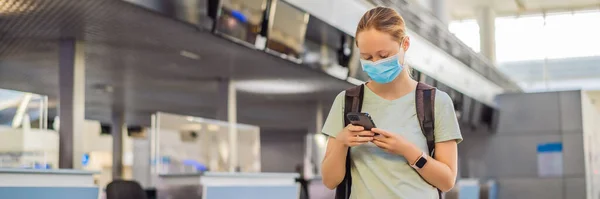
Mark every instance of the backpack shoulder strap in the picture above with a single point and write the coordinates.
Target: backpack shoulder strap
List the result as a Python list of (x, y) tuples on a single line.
[(353, 100), (425, 104), (352, 103)]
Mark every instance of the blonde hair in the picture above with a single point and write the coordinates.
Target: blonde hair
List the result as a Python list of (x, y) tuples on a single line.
[(385, 20)]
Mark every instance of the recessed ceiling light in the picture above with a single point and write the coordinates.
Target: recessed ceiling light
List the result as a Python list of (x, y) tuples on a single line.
[(189, 54), (276, 86), (10, 7)]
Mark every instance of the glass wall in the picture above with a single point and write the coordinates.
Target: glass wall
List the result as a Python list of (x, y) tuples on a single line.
[(185, 144), (24, 141)]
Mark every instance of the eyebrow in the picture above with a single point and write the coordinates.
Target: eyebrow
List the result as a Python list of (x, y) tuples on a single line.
[(378, 52)]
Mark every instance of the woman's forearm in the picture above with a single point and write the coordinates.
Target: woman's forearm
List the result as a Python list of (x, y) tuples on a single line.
[(434, 172), (333, 168)]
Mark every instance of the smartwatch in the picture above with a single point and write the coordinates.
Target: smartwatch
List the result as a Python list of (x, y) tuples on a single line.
[(420, 163)]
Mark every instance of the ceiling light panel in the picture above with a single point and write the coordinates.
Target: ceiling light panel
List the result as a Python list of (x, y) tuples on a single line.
[(277, 86)]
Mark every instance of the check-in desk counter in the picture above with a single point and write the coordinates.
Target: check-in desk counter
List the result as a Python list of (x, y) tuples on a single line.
[(473, 189), (317, 190), (211, 185), (47, 184)]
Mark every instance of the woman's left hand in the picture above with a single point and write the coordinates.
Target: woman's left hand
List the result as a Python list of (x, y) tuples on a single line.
[(389, 141)]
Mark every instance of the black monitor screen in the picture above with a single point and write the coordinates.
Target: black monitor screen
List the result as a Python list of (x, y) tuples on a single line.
[(105, 129), (322, 44), (466, 111), (477, 110), (320, 32), (190, 11), (487, 115)]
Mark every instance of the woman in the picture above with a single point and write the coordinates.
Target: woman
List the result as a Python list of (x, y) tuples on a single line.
[(381, 165)]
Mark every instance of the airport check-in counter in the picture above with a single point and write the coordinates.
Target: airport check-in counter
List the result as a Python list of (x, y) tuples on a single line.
[(316, 144), (216, 185), (473, 189), (318, 190), (47, 184)]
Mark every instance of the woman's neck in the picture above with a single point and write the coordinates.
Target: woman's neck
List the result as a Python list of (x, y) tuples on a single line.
[(399, 87)]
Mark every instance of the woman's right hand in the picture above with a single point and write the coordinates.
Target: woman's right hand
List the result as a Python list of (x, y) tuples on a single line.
[(354, 135)]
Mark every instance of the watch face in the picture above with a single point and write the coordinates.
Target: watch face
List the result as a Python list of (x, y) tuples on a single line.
[(421, 162)]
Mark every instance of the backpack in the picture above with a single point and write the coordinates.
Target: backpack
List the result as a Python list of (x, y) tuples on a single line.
[(424, 99)]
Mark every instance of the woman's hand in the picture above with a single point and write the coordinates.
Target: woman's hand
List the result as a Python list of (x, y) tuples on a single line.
[(354, 136), (390, 142), (439, 171)]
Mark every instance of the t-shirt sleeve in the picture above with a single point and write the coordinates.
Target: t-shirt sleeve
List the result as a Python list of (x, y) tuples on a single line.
[(446, 123), (335, 120)]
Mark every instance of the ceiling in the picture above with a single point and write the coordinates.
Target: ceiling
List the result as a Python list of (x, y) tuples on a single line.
[(555, 74), (466, 9), (139, 54)]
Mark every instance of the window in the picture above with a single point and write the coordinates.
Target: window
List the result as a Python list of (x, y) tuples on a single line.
[(537, 37)]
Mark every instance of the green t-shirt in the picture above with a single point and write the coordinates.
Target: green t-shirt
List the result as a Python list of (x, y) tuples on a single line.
[(378, 174)]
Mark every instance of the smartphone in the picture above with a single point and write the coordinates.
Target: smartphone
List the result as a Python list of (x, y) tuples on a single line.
[(361, 119)]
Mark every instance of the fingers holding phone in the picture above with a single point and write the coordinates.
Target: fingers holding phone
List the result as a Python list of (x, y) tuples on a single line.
[(359, 140), (355, 135), (354, 128), (363, 133), (361, 137)]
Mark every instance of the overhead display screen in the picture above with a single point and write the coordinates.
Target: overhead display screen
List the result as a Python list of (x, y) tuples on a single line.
[(327, 48), (287, 29), (190, 11), (241, 19)]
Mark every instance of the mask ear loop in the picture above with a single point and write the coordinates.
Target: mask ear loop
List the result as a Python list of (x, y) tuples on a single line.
[(402, 53)]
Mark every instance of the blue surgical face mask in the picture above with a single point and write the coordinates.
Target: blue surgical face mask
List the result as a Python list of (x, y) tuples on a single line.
[(383, 71)]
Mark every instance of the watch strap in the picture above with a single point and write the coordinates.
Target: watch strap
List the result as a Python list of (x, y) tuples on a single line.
[(420, 162)]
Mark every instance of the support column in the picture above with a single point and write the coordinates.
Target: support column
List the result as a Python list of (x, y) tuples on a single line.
[(118, 122), (316, 125), (486, 18), (319, 118), (439, 8), (314, 129), (227, 111), (72, 103), (120, 68), (222, 99)]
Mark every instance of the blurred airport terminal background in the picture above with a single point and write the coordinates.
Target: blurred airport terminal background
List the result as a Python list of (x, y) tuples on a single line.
[(226, 98)]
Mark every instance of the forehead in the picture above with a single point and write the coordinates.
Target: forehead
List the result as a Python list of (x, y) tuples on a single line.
[(370, 41)]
